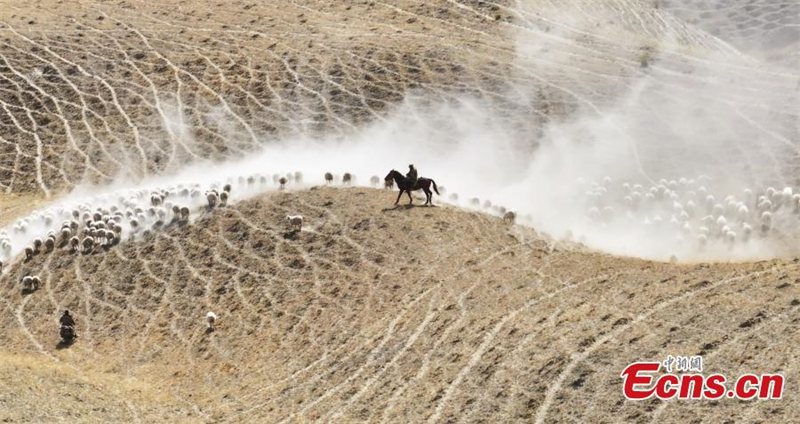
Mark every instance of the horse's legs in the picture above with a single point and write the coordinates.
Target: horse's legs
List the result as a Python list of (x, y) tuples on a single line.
[(428, 195), (410, 200), (398, 196)]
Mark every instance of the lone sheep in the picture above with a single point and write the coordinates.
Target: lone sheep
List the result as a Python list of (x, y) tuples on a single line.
[(296, 221), (282, 182), (211, 319), (328, 178)]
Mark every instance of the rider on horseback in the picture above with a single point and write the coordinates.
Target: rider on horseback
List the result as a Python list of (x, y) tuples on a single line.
[(411, 177), (66, 320), (67, 325)]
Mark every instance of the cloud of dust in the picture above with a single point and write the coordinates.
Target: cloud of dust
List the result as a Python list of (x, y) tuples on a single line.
[(684, 124)]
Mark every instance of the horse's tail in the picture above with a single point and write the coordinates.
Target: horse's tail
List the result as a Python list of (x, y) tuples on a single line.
[(436, 189)]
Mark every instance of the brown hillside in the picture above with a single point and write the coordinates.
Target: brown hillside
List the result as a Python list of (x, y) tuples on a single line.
[(379, 315)]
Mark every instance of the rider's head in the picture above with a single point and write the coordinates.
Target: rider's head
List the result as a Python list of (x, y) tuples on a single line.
[(411, 166), (66, 312)]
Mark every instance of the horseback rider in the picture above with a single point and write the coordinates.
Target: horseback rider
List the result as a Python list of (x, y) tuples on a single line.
[(66, 320), (411, 176), (67, 326)]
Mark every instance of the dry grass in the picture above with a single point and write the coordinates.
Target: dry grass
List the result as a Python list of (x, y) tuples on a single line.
[(97, 89), (395, 315)]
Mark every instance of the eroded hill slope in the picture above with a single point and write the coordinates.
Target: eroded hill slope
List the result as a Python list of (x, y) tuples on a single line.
[(373, 314)]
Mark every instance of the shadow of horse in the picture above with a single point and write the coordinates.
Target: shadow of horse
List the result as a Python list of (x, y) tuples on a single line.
[(406, 207), (64, 344)]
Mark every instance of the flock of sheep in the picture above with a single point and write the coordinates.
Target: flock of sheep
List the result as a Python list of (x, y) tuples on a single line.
[(691, 213), (103, 221)]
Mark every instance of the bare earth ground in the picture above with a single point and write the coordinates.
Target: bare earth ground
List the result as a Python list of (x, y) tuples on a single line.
[(381, 315)]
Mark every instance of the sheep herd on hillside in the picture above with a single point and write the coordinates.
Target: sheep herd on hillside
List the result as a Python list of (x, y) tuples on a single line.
[(690, 212), (100, 222)]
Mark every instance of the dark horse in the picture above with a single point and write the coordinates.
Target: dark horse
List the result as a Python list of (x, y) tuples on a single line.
[(422, 183)]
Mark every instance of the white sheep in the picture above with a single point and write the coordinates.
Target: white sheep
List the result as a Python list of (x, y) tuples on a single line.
[(74, 242), (87, 244), (347, 178), (223, 198), (510, 217), (212, 198), (388, 183), (766, 221), (743, 212), (747, 231), (37, 245), (50, 244), (328, 178), (296, 221), (282, 181), (298, 177), (673, 259), (211, 319), (374, 180), (184, 213), (226, 188), (27, 283), (28, 252), (628, 200)]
